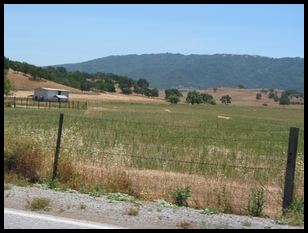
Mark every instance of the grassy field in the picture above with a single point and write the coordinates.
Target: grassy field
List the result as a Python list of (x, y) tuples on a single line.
[(150, 149)]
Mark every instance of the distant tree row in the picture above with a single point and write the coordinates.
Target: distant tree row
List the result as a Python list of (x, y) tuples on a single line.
[(194, 97), (82, 80)]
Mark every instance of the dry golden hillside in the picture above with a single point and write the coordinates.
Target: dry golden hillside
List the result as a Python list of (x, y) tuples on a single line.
[(24, 82)]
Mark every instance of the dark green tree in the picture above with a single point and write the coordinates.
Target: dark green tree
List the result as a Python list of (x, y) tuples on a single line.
[(194, 97), (174, 99), (143, 83), (173, 91), (206, 98), (226, 99)]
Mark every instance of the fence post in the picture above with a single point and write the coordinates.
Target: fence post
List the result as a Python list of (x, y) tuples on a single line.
[(27, 102), (290, 168), (55, 164), (14, 102)]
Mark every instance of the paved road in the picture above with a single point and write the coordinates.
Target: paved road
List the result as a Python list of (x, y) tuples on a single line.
[(18, 219)]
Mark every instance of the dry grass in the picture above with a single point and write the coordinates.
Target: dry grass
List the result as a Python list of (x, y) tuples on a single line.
[(226, 193), (132, 211), (245, 97), (184, 224), (24, 82), (25, 159)]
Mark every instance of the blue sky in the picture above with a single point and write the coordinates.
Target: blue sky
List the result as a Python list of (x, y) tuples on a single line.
[(43, 34)]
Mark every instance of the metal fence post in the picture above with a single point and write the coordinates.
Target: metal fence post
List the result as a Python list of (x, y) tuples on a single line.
[(290, 168), (55, 164)]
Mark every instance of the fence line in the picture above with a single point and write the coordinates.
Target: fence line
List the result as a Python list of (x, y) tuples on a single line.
[(29, 102), (188, 162)]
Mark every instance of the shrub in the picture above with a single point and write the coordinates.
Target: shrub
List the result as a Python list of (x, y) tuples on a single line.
[(212, 102), (180, 196), (173, 99), (39, 204), (256, 202), (24, 159)]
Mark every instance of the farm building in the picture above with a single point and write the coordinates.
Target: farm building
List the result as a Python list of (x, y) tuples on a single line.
[(50, 94)]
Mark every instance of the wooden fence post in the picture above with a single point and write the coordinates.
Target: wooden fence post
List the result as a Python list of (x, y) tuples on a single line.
[(55, 164), (14, 102), (290, 168), (27, 102)]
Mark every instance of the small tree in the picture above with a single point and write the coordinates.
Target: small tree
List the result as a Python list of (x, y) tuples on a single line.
[(258, 96), (215, 89), (226, 99), (143, 83), (8, 87), (174, 99), (169, 92), (194, 97), (125, 88), (206, 98)]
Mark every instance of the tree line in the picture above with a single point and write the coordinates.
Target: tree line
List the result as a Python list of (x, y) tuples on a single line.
[(194, 97), (81, 80)]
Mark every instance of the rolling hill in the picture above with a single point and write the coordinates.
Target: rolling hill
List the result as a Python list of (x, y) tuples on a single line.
[(202, 71)]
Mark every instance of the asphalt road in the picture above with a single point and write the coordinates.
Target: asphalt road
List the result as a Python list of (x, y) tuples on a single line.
[(18, 219)]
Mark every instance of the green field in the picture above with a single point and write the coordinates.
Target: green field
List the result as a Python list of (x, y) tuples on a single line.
[(250, 147)]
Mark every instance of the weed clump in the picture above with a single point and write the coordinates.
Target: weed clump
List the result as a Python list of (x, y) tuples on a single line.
[(256, 202), (180, 196), (39, 204), (294, 215)]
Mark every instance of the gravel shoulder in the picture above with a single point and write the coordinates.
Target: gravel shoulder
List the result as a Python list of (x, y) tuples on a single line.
[(151, 215)]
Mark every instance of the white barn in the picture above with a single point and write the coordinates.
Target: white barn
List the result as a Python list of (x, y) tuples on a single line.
[(50, 94)]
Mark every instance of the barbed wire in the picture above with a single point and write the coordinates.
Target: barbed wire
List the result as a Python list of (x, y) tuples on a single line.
[(189, 162)]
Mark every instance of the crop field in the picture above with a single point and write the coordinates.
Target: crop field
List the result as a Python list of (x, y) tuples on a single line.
[(221, 152)]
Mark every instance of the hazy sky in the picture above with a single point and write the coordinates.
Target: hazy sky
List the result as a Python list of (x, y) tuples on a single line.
[(43, 34)]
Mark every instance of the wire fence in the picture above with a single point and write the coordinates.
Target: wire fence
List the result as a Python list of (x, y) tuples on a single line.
[(101, 143), (31, 103)]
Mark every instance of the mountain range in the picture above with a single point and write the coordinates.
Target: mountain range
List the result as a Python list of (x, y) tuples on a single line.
[(168, 70)]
